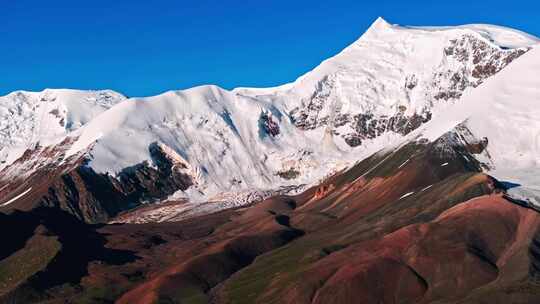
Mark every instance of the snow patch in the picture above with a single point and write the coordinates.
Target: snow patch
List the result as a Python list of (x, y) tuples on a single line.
[(406, 195), (404, 163), (426, 188), (16, 197)]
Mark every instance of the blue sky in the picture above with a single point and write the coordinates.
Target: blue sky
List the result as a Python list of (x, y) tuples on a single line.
[(143, 48)]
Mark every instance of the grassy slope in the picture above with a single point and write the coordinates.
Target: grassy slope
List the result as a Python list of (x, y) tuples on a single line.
[(273, 272), (33, 258)]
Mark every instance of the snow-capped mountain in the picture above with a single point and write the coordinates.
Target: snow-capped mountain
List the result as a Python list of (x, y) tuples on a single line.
[(386, 81), (46, 118), (393, 77), (208, 142)]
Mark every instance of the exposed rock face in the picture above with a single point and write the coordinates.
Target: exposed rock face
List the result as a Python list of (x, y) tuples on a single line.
[(323, 191), (469, 142), (86, 195), (369, 127), (460, 142), (169, 174), (476, 60), (291, 173), (309, 116), (268, 124), (78, 189)]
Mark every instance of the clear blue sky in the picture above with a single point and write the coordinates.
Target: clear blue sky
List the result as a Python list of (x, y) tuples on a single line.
[(143, 48)]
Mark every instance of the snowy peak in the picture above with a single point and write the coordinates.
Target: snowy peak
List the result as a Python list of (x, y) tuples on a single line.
[(498, 35), (378, 26), (29, 118), (393, 78)]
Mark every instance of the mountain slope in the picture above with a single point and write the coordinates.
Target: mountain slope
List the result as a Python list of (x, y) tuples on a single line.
[(503, 114), (370, 238)]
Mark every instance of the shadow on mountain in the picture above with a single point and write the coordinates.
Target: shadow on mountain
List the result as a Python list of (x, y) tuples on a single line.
[(80, 245), (508, 185)]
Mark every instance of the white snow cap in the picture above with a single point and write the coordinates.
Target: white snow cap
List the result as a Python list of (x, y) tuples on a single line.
[(379, 25)]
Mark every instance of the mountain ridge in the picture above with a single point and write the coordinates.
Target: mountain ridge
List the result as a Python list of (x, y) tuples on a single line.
[(373, 93)]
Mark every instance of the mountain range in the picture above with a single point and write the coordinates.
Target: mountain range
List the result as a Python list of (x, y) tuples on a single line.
[(404, 169)]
